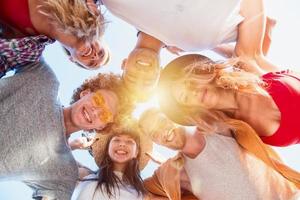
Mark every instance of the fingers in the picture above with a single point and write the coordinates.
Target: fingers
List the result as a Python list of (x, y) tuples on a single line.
[(92, 7), (174, 50)]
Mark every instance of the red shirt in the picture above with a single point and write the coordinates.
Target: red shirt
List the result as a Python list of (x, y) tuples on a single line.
[(284, 88), (16, 14)]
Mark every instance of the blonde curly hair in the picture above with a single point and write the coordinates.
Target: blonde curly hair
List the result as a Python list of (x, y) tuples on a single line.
[(73, 17), (110, 82)]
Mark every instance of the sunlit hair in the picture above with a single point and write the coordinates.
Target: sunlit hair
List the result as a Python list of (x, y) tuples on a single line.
[(73, 17), (108, 182), (226, 75), (110, 82), (194, 71)]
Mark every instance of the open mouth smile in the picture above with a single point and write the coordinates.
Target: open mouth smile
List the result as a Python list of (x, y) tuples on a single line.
[(86, 115)]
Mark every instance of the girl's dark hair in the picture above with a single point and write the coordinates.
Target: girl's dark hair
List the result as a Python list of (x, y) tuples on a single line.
[(108, 181)]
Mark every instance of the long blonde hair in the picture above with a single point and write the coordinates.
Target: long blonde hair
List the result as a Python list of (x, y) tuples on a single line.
[(196, 70), (73, 17), (226, 75)]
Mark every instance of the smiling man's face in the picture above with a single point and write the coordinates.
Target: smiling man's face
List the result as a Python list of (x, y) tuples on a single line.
[(162, 130), (94, 110), (141, 71)]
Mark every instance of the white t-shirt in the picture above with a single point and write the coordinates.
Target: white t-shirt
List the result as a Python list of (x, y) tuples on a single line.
[(188, 24), (86, 190), (225, 171)]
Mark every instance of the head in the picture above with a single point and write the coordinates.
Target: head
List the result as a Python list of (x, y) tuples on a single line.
[(123, 148), (97, 103), (141, 72), (162, 130), (193, 87), (79, 29), (87, 55)]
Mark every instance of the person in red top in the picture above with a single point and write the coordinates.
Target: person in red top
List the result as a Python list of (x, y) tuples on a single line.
[(72, 23), (194, 90)]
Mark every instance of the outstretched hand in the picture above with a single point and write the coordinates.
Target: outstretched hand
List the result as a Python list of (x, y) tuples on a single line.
[(83, 142)]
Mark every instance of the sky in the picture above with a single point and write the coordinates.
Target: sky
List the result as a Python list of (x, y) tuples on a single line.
[(121, 38)]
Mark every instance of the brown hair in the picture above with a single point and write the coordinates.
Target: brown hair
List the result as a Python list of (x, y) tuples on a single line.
[(111, 82), (131, 176)]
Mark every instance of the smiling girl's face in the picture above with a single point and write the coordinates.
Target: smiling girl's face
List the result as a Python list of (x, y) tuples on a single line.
[(122, 149)]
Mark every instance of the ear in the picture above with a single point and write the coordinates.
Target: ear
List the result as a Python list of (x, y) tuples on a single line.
[(124, 64), (84, 92)]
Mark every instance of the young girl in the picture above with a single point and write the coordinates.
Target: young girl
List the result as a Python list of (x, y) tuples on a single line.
[(120, 157), (70, 22)]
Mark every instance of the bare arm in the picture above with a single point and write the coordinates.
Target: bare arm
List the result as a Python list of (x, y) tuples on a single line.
[(250, 37), (228, 50), (147, 41)]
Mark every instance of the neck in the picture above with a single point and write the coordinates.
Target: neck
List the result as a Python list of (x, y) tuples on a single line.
[(230, 102), (69, 125), (244, 104), (194, 144), (120, 167)]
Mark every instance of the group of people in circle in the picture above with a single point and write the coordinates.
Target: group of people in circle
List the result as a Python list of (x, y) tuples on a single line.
[(237, 107)]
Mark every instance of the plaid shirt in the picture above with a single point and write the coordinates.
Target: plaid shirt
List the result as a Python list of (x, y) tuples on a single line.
[(21, 51)]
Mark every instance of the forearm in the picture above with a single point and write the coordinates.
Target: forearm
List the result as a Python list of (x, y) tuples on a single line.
[(225, 50), (251, 36), (251, 30), (147, 41)]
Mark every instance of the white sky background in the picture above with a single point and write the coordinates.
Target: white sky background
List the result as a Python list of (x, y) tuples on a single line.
[(121, 38)]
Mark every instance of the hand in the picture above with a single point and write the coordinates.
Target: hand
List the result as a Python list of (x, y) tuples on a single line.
[(93, 8), (156, 157), (174, 50), (82, 142)]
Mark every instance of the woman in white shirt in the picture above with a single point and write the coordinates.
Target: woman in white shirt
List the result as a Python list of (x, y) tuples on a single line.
[(192, 25), (120, 155)]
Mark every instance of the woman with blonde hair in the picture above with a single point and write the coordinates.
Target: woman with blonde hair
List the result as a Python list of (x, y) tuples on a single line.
[(120, 154), (194, 88), (70, 22)]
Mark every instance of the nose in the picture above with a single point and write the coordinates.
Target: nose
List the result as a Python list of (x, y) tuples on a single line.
[(96, 54), (121, 143)]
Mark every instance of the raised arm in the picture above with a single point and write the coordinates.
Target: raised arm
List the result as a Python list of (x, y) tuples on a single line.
[(250, 37), (228, 50)]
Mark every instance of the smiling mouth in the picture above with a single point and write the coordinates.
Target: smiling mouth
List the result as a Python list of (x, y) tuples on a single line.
[(121, 152), (144, 63), (86, 116)]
